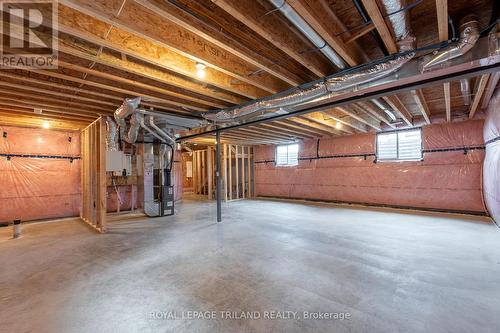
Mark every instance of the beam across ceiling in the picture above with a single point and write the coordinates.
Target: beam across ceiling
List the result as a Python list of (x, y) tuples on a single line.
[(406, 79)]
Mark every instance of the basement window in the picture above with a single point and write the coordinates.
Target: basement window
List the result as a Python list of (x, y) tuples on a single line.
[(287, 155), (403, 145)]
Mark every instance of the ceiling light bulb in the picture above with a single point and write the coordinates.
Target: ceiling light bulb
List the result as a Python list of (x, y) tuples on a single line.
[(200, 70), (45, 124), (338, 125)]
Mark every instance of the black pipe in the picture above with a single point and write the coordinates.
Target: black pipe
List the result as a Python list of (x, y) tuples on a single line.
[(71, 158), (495, 15), (362, 11)]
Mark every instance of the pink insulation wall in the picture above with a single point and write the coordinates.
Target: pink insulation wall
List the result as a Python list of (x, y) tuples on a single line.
[(448, 180), (178, 176), (491, 172), (38, 188)]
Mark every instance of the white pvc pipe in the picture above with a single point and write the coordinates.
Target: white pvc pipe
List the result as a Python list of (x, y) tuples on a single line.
[(309, 32)]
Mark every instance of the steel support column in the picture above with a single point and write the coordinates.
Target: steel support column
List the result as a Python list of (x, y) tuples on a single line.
[(218, 180)]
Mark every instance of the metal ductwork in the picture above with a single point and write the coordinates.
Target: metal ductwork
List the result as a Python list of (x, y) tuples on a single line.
[(128, 108), (330, 86), (399, 17), (309, 32), (111, 135), (465, 89), (384, 107), (469, 35), (326, 88)]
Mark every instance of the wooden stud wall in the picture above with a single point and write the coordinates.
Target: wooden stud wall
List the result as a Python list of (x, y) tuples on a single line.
[(236, 172), (94, 175)]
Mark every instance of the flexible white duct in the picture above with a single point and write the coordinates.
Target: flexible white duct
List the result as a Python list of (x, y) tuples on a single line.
[(400, 20), (111, 135), (309, 32), (465, 89)]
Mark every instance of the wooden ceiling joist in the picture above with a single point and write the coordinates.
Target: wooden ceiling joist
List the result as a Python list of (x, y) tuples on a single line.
[(152, 73), (419, 98), (252, 132), (9, 119), (155, 28), (283, 129), (442, 18), (88, 28), (294, 124), (280, 132), (110, 88), (353, 115), (490, 89), (193, 25), (173, 98), (46, 114), (327, 121), (478, 95), (312, 13), (43, 101), (374, 111), (398, 106), (27, 103), (379, 22), (309, 121), (447, 100), (343, 123), (56, 93), (295, 128), (267, 26), (77, 90), (361, 32)]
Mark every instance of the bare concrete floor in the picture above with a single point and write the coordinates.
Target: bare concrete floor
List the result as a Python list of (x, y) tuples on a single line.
[(390, 271)]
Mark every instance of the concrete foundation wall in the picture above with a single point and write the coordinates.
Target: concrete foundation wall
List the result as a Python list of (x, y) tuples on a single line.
[(39, 188), (443, 180)]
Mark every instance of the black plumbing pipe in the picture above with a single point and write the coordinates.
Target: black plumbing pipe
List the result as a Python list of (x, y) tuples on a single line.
[(362, 11)]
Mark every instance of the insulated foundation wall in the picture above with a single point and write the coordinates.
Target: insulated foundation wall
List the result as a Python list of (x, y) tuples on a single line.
[(444, 180), (39, 188), (491, 172)]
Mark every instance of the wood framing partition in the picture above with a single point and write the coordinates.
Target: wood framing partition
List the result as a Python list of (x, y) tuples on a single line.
[(236, 172), (93, 141)]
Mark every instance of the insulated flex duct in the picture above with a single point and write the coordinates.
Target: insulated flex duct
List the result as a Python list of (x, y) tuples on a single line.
[(328, 87), (399, 18), (111, 135), (469, 35), (128, 108)]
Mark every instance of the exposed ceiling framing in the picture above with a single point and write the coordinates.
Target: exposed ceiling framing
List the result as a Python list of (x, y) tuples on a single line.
[(111, 50)]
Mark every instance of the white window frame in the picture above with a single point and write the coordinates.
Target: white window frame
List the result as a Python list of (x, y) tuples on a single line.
[(288, 164), (398, 159)]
